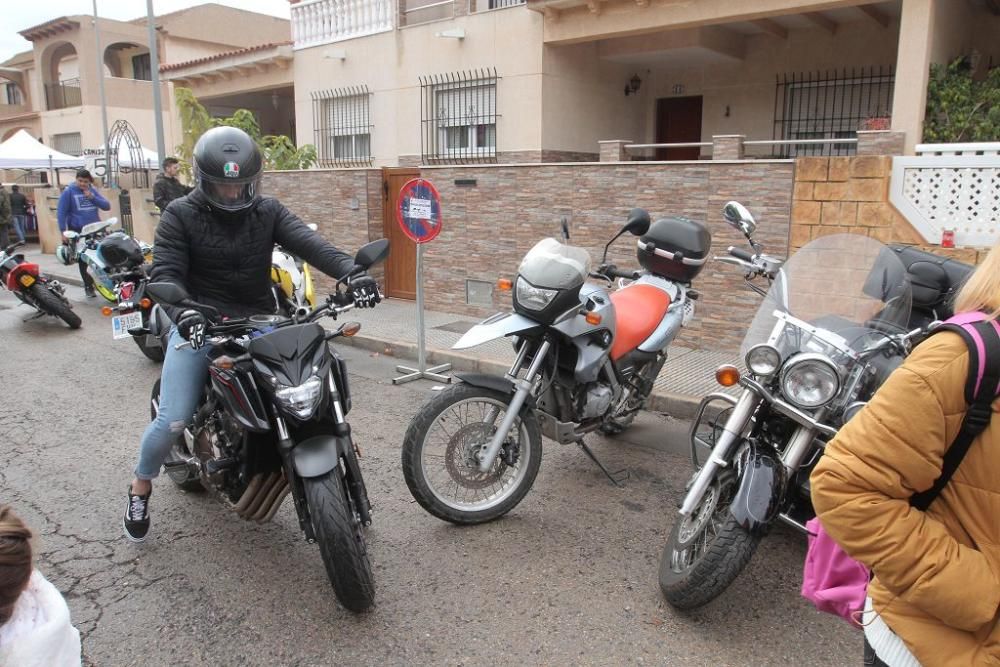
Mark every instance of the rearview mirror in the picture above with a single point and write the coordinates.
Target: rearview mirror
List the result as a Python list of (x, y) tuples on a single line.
[(737, 215), (372, 253), (168, 293), (638, 222)]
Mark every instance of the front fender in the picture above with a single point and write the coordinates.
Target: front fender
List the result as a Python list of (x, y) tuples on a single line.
[(317, 455), (761, 491), (494, 382), (497, 326)]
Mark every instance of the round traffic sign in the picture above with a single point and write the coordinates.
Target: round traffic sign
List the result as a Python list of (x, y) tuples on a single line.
[(418, 210)]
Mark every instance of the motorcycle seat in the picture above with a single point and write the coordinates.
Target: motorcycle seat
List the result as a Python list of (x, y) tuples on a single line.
[(639, 309)]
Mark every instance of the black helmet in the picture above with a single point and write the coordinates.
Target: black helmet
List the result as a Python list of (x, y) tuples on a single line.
[(119, 250), (227, 169)]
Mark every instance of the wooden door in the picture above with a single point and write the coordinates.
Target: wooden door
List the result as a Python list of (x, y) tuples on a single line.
[(401, 266), (678, 120)]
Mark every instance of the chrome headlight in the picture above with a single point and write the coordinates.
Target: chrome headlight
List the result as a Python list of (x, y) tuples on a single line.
[(533, 298), (763, 360), (810, 380), (302, 400)]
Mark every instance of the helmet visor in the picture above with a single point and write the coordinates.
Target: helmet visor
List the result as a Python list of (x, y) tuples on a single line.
[(230, 194)]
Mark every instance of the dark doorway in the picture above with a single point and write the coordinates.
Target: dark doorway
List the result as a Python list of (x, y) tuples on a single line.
[(678, 120)]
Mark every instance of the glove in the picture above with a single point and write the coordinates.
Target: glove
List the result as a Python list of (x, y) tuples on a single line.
[(364, 292), (191, 326)]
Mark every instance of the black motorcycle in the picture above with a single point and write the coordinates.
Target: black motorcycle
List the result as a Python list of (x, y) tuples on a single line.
[(272, 421)]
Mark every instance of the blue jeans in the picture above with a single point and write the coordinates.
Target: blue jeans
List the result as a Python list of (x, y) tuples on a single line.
[(19, 222), (181, 382)]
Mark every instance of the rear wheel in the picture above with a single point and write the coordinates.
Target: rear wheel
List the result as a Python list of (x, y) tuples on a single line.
[(49, 302), (341, 539), (706, 551), (182, 476)]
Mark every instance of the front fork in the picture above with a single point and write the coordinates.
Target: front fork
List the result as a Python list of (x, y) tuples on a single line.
[(488, 451), (731, 434)]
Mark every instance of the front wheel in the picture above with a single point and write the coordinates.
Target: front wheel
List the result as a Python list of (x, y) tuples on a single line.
[(341, 538), (706, 551), (49, 302), (439, 455)]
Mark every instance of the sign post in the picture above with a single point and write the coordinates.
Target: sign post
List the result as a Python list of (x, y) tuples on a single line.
[(419, 216)]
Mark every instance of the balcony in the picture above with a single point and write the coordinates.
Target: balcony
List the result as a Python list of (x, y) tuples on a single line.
[(63, 95), (14, 110), (317, 22)]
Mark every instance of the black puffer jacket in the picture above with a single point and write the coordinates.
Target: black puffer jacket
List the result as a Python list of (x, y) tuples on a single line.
[(226, 263)]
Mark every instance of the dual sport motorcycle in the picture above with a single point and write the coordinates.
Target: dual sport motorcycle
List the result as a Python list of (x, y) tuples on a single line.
[(586, 360)]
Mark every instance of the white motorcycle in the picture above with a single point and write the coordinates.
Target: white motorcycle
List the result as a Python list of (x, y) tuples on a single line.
[(586, 360)]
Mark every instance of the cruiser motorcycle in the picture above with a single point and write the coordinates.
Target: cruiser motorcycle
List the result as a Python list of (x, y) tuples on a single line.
[(273, 421), (585, 360), (832, 326), (25, 280)]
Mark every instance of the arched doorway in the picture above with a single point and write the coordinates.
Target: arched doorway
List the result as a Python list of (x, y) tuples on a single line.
[(61, 76)]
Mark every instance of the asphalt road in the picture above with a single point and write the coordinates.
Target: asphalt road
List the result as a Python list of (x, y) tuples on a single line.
[(568, 577)]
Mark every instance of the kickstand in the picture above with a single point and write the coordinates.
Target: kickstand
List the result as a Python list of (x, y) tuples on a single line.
[(34, 316), (617, 478)]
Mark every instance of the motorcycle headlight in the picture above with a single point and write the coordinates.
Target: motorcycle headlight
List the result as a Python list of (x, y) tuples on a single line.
[(302, 400), (763, 360), (533, 298), (810, 380)]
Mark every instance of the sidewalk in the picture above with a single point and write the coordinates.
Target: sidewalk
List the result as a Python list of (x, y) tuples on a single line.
[(391, 329)]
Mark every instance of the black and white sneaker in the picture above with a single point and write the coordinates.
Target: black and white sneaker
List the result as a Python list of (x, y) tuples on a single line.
[(136, 519)]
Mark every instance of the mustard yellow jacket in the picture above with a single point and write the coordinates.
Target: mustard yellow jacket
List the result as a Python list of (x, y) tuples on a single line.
[(937, 574)]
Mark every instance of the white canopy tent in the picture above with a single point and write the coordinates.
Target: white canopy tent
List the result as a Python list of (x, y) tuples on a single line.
[(23, 151)]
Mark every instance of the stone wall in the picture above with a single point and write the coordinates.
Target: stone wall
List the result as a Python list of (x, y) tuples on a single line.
[(839, 195), (489, 227)]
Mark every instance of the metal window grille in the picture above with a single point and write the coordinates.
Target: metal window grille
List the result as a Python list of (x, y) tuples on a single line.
[(70, 143), (487, 5), (829, 105), (458, 117), (342, 127)]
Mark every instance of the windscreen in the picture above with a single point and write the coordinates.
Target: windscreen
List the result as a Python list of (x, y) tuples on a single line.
[(555, 265)]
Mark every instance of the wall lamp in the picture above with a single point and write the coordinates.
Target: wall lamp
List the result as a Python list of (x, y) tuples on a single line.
[(632, 87)]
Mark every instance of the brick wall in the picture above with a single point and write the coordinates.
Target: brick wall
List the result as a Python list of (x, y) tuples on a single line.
[(490, 226), (839, 195)]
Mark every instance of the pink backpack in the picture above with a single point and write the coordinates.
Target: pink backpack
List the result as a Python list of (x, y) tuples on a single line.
[(836, 583)]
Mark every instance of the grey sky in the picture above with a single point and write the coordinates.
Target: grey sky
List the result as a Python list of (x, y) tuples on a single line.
[(19, 14)]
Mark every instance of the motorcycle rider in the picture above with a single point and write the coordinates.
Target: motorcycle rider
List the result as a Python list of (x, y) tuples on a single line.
[(217, 244)]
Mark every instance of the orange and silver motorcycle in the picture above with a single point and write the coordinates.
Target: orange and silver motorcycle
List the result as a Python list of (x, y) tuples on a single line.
[(586, 360)]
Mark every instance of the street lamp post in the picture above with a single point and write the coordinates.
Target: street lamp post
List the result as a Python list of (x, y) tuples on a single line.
[(104, 106), (154, 65)]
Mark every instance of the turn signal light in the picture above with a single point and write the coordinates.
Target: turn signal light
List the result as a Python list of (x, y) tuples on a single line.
[(350, 328), (505, 284), (145, 303), (727, 375), (224, 362), (593, 318), (106, 311)]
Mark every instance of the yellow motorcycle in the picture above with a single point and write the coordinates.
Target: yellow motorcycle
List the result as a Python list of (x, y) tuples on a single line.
[(292, 283)]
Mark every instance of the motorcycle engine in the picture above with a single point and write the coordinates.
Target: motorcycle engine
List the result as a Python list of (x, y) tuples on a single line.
[(593, 401), (217, 442)]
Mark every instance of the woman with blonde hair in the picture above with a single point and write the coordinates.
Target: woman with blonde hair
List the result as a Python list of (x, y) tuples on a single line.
[(935, 593), (35, 630)]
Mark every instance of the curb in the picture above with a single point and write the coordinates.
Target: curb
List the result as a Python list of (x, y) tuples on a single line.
[(66, 280), (680, 406)]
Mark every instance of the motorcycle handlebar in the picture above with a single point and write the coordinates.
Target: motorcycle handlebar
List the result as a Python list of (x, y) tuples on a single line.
[(740, 253)]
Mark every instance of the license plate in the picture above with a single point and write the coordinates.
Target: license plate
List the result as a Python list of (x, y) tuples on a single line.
[(26, 279), (120, 324)]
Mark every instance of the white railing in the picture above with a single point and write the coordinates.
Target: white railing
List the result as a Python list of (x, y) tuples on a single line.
[(979, 148), (317, 22), (957, 192)]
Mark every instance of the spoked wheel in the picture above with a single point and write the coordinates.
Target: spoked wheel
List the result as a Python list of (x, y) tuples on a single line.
[(182, 476), (439, 456), (706, 551), (341, 539)]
